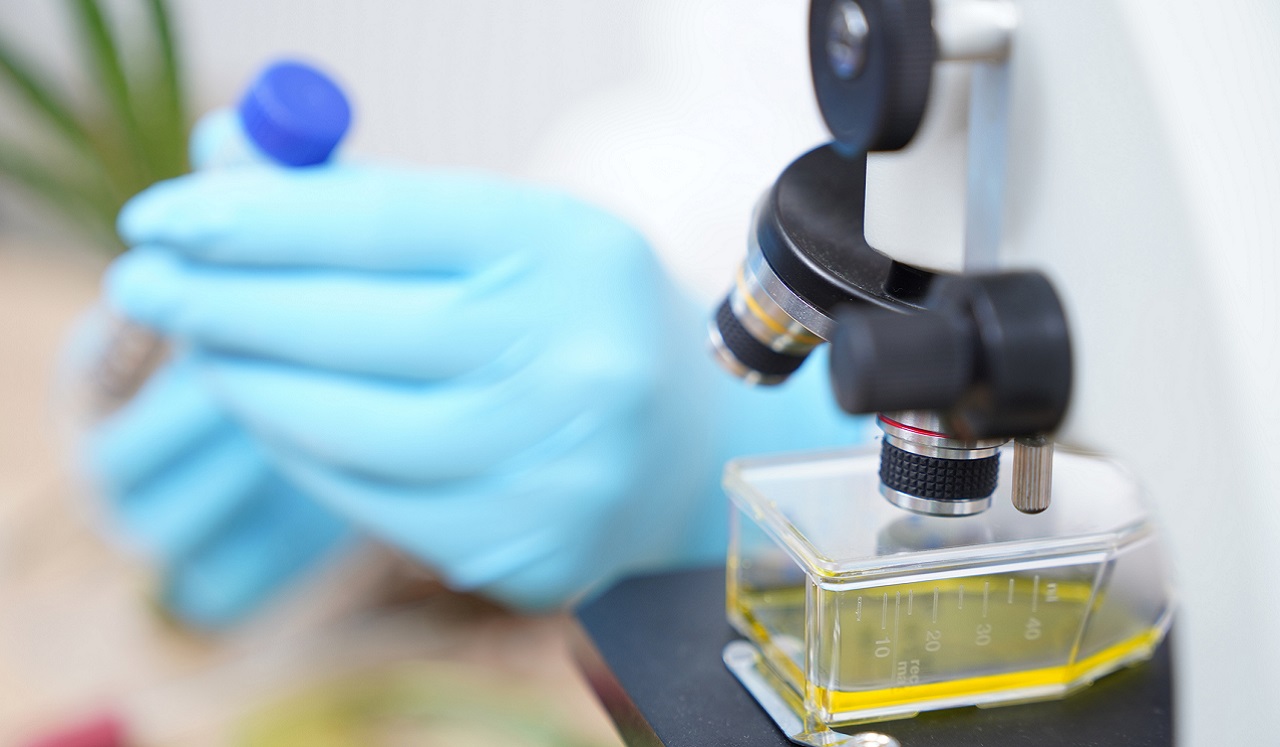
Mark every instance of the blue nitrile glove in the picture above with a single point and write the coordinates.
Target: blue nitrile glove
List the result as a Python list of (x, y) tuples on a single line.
[(192, 490), (187, 485), (497, 378)]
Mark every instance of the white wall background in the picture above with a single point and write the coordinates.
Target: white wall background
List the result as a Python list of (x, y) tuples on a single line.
[(442, 81), (674, 114)]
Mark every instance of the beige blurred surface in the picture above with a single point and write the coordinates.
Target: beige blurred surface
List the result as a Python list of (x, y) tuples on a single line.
[(78, 638)]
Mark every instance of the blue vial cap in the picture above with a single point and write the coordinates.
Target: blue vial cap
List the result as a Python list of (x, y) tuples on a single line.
[(295, 114)]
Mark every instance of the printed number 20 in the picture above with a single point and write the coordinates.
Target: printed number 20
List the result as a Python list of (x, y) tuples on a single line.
[(932, 640)]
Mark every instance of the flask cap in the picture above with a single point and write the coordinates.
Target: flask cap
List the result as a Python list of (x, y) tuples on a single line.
[(295, 114)]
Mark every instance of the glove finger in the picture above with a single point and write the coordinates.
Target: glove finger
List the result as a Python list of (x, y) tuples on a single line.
[(389, 324), (341, 216), (256, 553), (480, 531), (191, 498), (401, 431), (171, 415)]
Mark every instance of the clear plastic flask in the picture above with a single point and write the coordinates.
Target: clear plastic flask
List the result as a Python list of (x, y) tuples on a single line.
[(856, 610)]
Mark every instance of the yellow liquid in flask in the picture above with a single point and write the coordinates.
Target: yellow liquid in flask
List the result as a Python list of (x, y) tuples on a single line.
[(892, 650)]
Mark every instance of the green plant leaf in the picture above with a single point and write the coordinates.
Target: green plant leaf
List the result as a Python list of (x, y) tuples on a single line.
[(45, 101), (85, 201), (108, 66), (134, 136), (170, 106)]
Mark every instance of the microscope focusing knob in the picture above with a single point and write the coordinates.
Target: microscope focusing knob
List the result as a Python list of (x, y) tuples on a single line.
[(990, 353), (885, 361), (872, 64)]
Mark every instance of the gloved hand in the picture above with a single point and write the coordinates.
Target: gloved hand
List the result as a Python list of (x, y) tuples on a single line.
[(185, 484), (191, 489), (497, 378)]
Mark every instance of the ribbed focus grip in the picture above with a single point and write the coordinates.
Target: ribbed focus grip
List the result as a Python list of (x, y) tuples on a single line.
[(936, 478), (749, 351), (886, 360)]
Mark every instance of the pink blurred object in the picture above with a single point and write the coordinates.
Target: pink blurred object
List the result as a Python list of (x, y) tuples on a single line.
[(100, 731)]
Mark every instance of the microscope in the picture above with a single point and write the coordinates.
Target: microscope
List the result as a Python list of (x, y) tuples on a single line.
[(869, 621), (956, 365), (1084, 397)]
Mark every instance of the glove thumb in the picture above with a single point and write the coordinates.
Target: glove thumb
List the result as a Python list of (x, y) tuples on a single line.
[(218, 140)]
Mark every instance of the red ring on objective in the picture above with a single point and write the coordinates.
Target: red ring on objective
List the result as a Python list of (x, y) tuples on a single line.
[(912, 428)]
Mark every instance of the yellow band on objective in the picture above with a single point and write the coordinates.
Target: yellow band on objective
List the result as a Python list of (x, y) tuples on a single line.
[(758, 312)]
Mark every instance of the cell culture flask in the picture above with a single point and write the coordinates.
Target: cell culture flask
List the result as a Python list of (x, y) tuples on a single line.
[(855, 610)]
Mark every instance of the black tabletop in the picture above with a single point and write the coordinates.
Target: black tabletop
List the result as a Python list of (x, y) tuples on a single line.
[(660, 637)]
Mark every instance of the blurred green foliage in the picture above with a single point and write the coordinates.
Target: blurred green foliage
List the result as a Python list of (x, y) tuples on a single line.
[(131, 133), (419, 703)]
